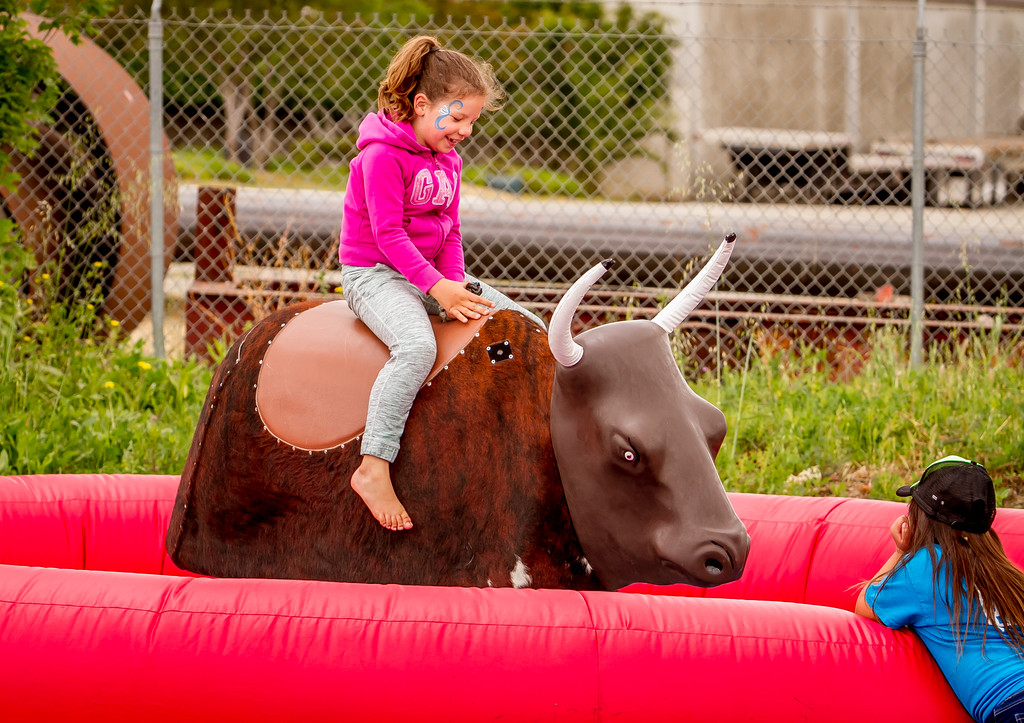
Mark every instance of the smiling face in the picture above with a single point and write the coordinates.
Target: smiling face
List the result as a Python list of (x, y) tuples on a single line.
[(441, 126)]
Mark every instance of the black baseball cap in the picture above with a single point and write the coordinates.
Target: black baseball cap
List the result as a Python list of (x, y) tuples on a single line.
[(955, 491)]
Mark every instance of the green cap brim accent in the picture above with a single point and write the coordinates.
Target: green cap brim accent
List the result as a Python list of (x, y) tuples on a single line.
[(950, 460)]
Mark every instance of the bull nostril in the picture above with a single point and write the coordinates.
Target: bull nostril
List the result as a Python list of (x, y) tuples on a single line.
[(714, 567), (711, 563)]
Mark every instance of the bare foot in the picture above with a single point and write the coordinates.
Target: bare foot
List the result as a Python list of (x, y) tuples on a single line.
[(372, 482)]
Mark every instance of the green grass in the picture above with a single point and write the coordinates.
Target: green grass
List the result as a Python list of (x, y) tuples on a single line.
[(79, 397), (794, 430), (204, 165), (536, 181), (312, 167), (209, 166)]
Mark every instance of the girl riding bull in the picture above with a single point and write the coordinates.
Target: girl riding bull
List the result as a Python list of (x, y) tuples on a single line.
[(401, 241)]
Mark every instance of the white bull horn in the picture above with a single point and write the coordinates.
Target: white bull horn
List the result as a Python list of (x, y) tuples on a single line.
[(566, 351), (686, 300)]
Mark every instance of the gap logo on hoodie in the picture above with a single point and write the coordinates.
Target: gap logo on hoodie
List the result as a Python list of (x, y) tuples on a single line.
[(431, 188)]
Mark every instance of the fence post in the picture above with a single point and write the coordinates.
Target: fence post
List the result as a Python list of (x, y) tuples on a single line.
[(213, 252), (214, 305), (156, 177), (979, 80), (917, 190), (852, 106)]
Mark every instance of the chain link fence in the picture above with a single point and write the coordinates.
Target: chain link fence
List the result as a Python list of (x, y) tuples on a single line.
[(645, 134)]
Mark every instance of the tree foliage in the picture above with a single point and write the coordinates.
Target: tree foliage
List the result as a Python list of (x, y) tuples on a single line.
[(28, 73), (584, 84), (420, 9)]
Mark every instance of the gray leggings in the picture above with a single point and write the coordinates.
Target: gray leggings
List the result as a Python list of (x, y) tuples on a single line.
[(397, 312)]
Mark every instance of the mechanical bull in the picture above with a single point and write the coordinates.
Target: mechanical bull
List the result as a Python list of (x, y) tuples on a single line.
[(527, 460)]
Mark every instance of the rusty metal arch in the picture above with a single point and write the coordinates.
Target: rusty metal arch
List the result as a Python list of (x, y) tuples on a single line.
[(121, 114)]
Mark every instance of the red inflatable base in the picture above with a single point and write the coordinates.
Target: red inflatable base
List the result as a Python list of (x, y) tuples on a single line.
[(97, 624)]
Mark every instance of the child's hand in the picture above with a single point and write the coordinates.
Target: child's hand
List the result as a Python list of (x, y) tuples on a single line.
[(900, 532), (459, 302)]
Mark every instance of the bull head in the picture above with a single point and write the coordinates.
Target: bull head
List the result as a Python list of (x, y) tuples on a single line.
[(636, 447)]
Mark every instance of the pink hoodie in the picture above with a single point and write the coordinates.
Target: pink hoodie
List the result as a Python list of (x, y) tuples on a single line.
[(402, 205)]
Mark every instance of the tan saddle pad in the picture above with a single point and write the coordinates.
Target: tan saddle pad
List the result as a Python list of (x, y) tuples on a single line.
[(315, 379)]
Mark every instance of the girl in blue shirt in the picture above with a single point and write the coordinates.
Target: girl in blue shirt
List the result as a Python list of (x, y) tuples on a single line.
[(951, 582)]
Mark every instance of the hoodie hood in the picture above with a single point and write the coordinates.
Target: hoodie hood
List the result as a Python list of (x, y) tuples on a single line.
[(378, 128)]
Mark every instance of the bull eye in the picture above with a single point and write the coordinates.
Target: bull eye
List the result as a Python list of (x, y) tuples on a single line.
[(624, 452)]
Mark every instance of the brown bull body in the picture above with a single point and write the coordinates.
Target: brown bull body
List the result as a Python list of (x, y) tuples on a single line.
[(549, 463), (476, 468)]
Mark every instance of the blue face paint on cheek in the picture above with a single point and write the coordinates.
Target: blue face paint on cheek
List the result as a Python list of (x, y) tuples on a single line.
[(445, 111)]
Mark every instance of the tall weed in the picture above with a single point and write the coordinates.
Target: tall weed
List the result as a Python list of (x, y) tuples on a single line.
[(794, 430), (77, 396)]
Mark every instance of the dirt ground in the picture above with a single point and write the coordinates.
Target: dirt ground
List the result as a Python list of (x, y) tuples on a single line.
[(854, 481)]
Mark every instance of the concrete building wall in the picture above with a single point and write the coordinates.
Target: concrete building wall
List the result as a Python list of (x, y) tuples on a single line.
[(839, 67), (769, 65)]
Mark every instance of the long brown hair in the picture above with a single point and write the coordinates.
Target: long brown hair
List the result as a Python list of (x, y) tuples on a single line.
[(981, 580), (423, 66)]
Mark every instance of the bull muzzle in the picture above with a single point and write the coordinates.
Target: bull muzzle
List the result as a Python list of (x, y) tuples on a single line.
[(718, 559)]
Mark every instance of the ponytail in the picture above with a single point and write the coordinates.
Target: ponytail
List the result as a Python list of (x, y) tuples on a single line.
[(404, 74), (423, 66)]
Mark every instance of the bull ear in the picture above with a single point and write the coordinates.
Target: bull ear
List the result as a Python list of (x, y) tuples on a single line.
[(566, 351), (686, 300)]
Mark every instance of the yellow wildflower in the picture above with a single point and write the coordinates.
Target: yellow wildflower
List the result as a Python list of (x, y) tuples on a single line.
[(115, 322), (337, 289), (145, 366), (108, 385), (44, 277), (97, 264)]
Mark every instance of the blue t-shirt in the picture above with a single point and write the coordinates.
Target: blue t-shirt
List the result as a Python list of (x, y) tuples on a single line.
[(980, 681)]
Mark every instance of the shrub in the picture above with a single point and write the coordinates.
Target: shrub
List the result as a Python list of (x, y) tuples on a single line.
[(793, 429), (77, 396), (30, 86)]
